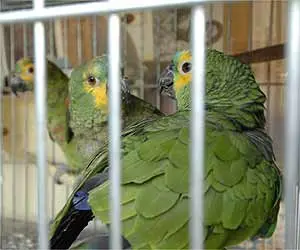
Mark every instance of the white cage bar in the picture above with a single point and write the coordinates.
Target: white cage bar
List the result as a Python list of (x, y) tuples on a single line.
[(114, 52), (292, 125), (40, 13), (93, 8), (197, 125), (41, 118)]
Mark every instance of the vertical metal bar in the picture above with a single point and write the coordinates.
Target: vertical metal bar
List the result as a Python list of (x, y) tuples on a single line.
[(197, 126), (40, 95), (292, 122), (13, 127), (114, 26), (2, 72), (157, 54), (25, 47), (142, 37), (297, 215)]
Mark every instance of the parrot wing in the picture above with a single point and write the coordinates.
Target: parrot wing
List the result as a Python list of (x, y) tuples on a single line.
[(242, 185)]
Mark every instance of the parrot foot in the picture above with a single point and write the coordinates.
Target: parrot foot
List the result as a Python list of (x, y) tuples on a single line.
[(60, 171)]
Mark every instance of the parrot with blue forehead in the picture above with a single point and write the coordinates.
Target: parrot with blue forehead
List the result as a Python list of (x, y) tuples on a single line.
[(242, 184), (78, 147), (22, 80), (88, 107)]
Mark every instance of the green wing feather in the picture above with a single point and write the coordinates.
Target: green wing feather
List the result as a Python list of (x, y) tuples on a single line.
[(242, 185)]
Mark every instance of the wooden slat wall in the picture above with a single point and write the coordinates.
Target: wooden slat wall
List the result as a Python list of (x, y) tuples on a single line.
[(264, 32), (85, 37), (237, 15), (268, 27)]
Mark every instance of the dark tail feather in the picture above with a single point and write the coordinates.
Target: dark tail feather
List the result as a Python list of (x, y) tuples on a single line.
[(70, 227)]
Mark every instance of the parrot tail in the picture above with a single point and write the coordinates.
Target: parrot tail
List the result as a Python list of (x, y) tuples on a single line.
[(71, 226), (72, 223)]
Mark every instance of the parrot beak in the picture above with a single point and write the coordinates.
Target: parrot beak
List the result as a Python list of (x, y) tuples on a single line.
[(17, 84), (166, 82), (6, 89), (6, 81)]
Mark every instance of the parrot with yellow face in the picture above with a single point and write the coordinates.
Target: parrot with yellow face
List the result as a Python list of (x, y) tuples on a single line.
[(242, 184), (79, 146), (22, 80)]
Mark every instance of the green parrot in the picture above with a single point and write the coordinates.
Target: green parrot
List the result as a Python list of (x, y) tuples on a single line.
[(88, 89), (77, 147), (89, 105), (22, 80), (242, 184)]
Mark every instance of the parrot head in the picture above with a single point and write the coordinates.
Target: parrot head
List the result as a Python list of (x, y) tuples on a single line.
[(90, 80), (22, 79), (88, 90), (230, 86), (177, 74)]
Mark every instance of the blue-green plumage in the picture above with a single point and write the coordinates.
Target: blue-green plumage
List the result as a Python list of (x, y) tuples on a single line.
[(242, 186)]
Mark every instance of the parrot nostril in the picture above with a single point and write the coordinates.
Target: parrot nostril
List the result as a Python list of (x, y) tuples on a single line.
[(169, 83)]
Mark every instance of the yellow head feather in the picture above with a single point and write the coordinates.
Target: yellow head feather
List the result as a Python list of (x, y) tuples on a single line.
[(99, 93), (181, 78)]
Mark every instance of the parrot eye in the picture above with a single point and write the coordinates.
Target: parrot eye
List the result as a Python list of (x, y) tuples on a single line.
[(185, 67), (30, 70), (92, 80)]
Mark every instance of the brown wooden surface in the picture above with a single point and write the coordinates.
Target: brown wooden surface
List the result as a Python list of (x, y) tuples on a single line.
[(86, 36), (72, 41), (238, 15), (266, 54)]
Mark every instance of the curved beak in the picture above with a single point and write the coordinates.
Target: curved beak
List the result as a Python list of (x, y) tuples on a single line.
[(166, 81), (16, 84), (6, 89)]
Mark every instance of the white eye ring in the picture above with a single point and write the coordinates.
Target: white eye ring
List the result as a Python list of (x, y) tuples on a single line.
[(185, 68)]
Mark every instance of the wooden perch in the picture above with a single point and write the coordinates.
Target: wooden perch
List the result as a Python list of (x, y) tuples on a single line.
[(267, 54)]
